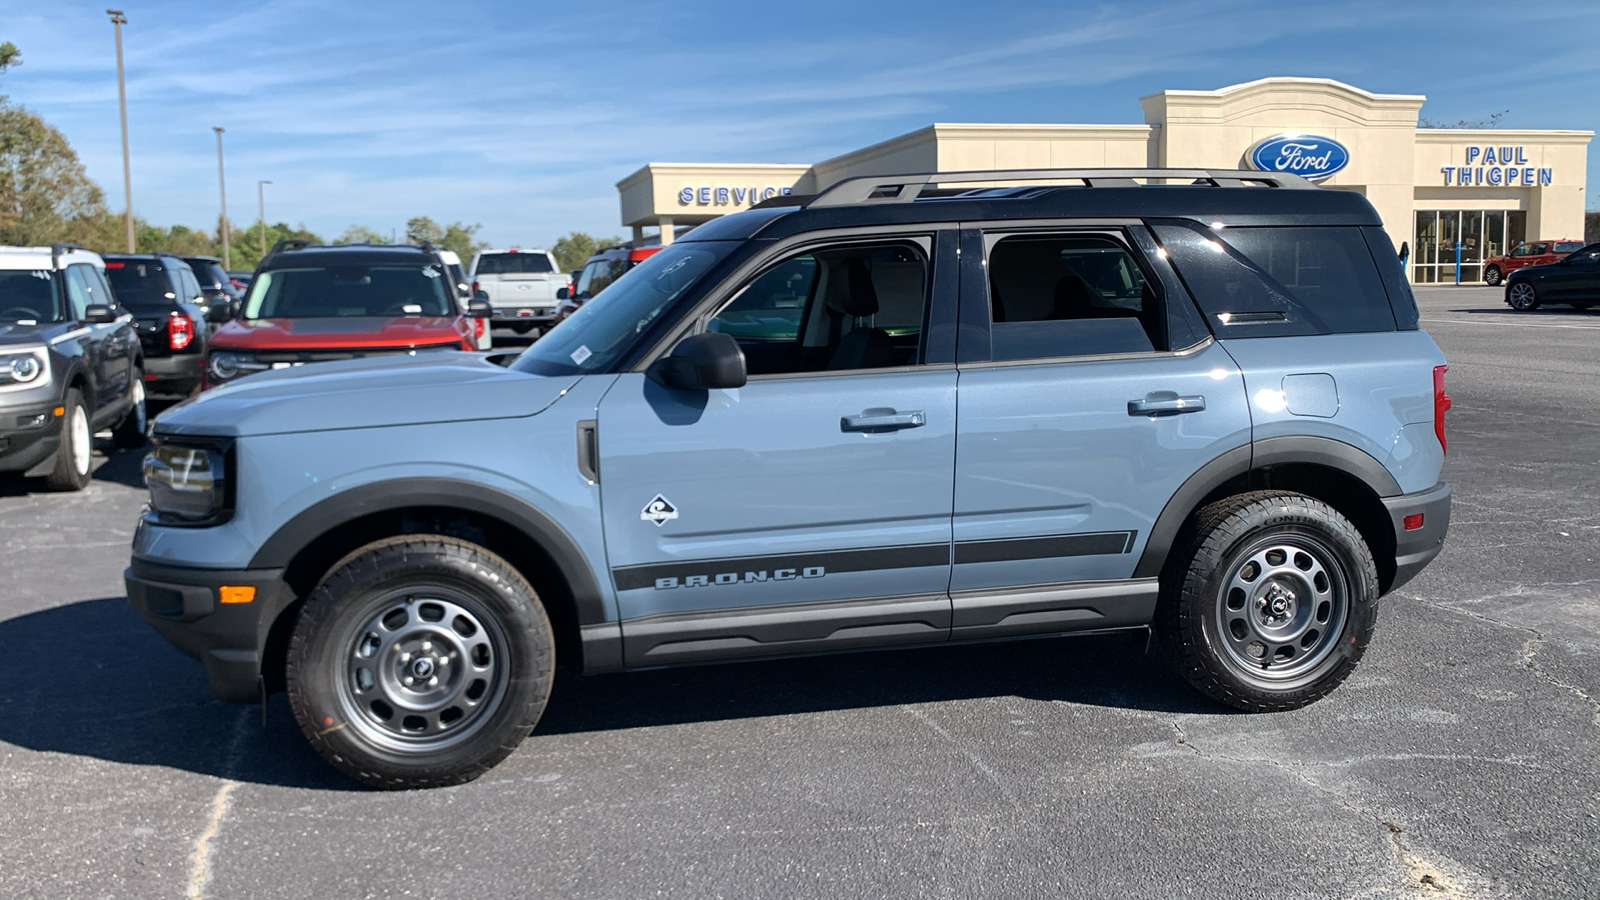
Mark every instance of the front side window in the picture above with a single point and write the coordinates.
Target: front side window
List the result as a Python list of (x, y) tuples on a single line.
[(27, 296), (345, 291), (1069, 295), (598, 334), (1537, 249), (860, 306)]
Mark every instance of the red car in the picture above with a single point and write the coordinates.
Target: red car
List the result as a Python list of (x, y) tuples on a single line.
[(1527, 253), (311, 303)]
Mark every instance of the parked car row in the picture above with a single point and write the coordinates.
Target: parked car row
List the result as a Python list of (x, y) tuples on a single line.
[(1527, 253)]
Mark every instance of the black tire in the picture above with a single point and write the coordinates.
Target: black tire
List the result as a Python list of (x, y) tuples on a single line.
[(75, 456), (130, 432), (1213, 614), (456, 598), (1523, 296), (1492, 276)]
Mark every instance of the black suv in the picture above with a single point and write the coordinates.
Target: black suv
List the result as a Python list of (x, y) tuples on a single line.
[(214, 281), (170, 312), (70, 364)]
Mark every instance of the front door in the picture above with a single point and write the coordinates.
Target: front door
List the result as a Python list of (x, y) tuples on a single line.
[(1088, 400), (1575, 280), (809, 509)]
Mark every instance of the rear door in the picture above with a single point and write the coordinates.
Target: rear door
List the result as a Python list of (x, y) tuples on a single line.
[(809, 509), (1089, 392)]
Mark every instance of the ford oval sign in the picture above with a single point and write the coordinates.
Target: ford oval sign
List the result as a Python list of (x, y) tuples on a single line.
[(1307, 155)]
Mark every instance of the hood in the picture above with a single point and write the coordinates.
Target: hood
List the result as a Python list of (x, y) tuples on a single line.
[(338, 333), (365, 393), (14, 335)]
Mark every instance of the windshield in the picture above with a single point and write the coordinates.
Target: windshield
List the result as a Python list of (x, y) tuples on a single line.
[(603, 329), (510, 263), (340, 291), (27, 296)]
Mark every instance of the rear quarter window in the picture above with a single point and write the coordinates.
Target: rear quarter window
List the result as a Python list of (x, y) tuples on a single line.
[(1280, 281)]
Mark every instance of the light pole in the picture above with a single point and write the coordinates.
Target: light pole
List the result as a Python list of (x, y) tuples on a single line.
[(222, 187), (118, 20), (261, 203)]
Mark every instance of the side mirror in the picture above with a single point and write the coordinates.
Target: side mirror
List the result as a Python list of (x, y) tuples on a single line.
[(99, 314), (563, 294), (481, 295), (479, 309), (703, 362), (219, 312)]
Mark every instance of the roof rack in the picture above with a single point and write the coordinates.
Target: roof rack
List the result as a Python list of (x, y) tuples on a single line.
[(62, 249), (288, 244), (906, 188)]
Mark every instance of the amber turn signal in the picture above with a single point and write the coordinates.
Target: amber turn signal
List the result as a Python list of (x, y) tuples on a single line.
[(229, 594)]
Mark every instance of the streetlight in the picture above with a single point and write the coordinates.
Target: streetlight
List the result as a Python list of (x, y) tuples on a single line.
[(118, 20), (222, 187), (261, 202)]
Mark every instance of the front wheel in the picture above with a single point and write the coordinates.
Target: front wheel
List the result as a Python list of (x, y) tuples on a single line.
[(1270, 604), (1491, 276), (74, 455), (421, 661), (1523, 297)]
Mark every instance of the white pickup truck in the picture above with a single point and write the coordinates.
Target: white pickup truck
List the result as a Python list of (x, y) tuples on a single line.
[(521, 285)]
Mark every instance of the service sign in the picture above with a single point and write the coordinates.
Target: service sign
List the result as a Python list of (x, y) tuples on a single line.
[(1307, 155)]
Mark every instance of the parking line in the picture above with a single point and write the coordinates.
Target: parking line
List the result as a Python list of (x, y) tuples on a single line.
[(1501, 323)]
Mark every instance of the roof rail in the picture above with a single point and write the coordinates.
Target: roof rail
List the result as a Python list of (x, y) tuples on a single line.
[(288, 244), (59, 250), (906, 188)]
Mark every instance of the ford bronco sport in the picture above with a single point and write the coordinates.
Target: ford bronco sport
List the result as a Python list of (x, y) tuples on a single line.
[(892, 413)]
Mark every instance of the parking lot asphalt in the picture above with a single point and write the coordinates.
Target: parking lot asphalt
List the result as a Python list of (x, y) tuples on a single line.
[(1459, 761)]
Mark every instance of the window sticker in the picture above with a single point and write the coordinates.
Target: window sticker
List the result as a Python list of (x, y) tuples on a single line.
[(431, 271), (412, 309), (581, 354), (41, 273)]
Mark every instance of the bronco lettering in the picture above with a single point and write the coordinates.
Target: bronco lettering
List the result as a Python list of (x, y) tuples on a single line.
[(672, 581)]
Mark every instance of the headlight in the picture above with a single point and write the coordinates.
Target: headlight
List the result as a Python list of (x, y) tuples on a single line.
[(188, 484), (25, 368), (225, 365)]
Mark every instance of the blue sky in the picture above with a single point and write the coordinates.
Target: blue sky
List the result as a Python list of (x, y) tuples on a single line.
[(523, 116)]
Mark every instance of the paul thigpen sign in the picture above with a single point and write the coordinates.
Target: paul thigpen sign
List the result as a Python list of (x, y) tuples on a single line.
[(1497, 166)]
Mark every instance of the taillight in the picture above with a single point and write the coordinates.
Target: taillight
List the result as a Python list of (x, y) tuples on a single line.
[(180, 330), (1441, 405), (475, 287), (477, 327)]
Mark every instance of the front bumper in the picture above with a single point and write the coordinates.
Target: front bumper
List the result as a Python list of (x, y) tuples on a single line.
[(25, 447), (229, 639), (1416, 548)]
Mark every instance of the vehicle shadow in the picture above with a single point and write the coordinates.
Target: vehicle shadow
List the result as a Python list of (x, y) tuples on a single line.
[(1557, 311), (112, 689), (109, 464)]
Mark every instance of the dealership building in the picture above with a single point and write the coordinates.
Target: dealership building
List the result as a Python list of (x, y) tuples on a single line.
[(1484, 189)]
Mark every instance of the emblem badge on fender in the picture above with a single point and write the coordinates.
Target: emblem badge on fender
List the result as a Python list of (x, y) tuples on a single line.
[(659, 511)]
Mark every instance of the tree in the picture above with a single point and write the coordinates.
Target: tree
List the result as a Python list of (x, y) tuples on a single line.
[(457, 236), (45, 194), (361, 234), (1493, 121), (573, 249)]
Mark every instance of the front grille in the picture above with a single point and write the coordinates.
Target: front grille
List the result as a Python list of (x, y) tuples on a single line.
[(291, 357)]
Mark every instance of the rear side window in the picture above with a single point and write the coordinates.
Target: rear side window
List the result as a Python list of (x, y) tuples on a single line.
[(1568, 246), (208, 274), (513, 263), (1280, 281), (141, 286), (1069, 295)]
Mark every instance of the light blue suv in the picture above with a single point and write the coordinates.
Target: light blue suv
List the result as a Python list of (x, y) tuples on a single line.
[(891, 413)]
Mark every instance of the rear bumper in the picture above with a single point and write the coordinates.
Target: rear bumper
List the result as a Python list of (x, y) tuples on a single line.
[(176, 374), (182, 604), (534, 311), (23, 449), (1416, 548)]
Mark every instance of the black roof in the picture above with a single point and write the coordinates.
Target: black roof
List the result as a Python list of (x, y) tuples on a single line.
[(295, 256), (1233, 198), (157, 255)]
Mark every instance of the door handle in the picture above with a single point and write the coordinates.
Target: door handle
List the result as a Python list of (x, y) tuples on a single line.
[(1165, 403), (882, 419)]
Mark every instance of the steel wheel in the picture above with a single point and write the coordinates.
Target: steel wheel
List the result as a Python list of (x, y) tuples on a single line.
[(1282, 608), (1523, 297), (424, 670)]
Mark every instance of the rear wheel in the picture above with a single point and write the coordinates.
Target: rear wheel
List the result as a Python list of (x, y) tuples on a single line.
[(1271, 604), (130, 433), (1491, 276), (1523, 297), (73, 457), (421, 661)]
